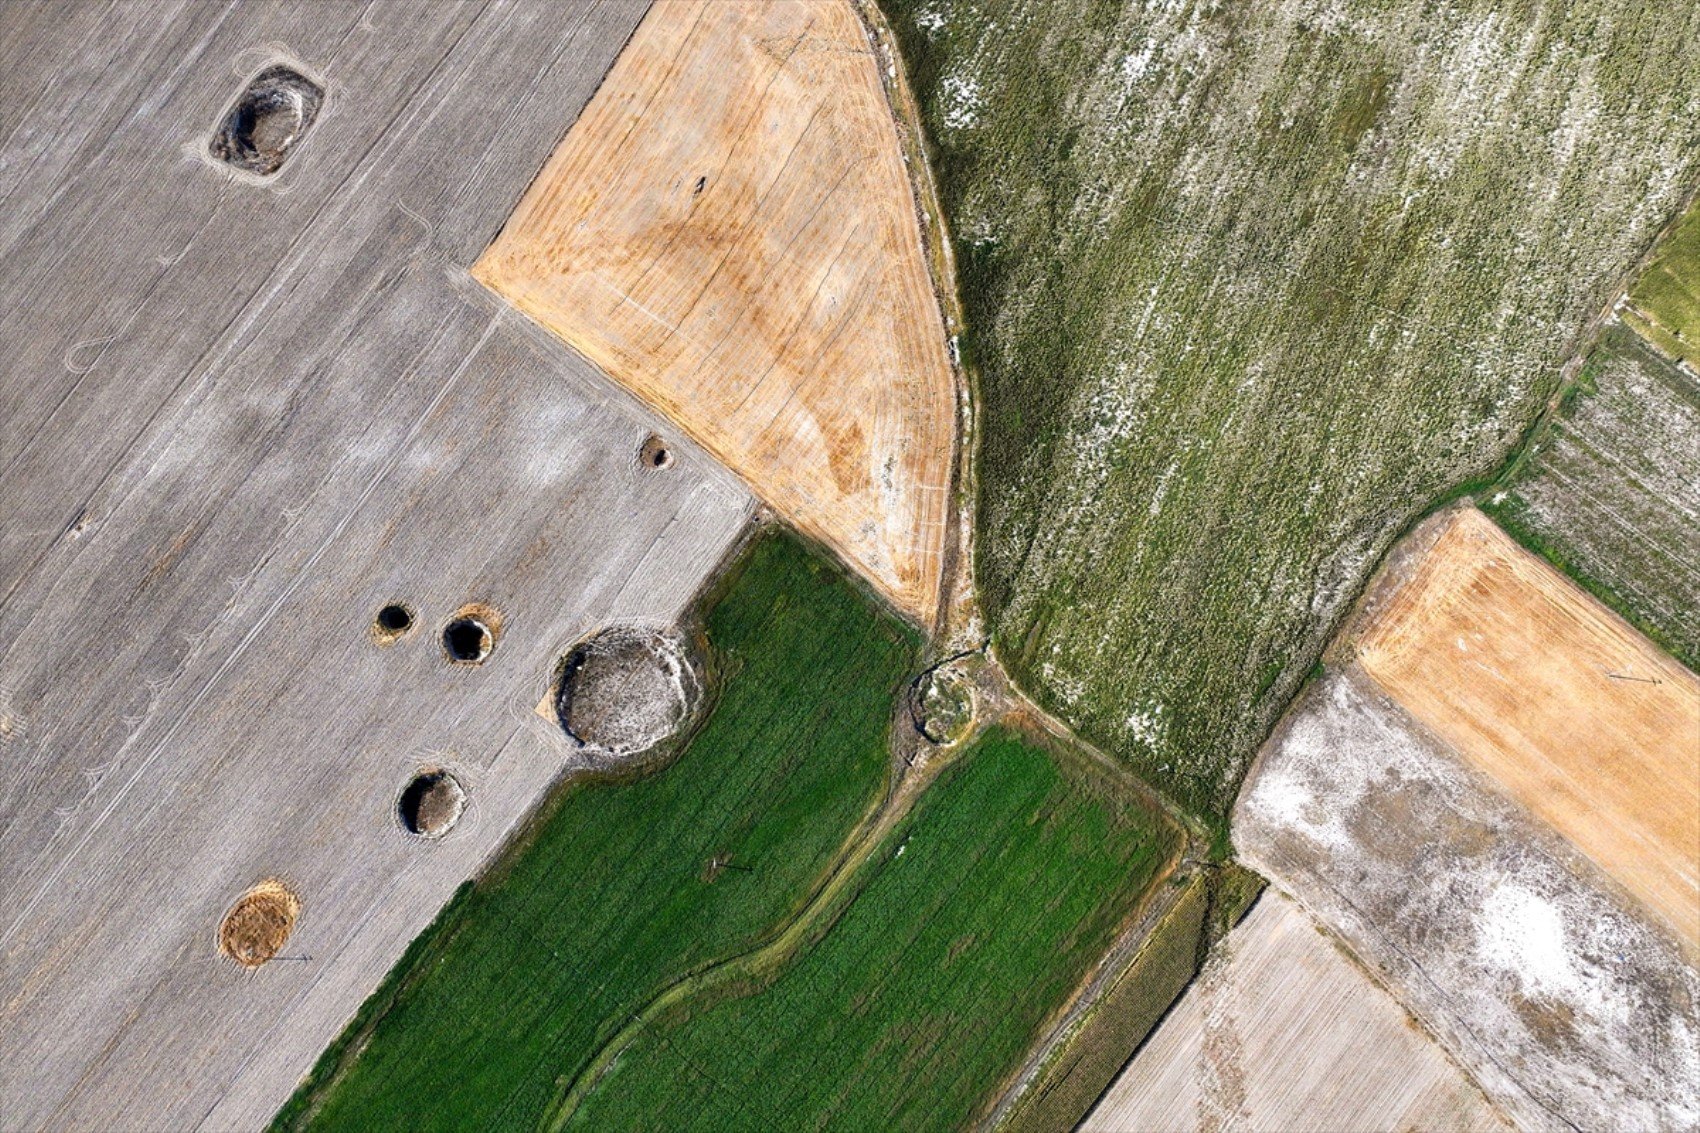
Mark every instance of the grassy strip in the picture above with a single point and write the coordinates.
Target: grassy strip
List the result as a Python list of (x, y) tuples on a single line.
[(612, 896), (1212, 902), (342, 1053), (1240, 315), (977, 920)]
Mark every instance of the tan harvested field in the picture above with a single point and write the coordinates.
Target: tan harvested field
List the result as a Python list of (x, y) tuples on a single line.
[(729, 231), (1283, 1032), (1570, 710)]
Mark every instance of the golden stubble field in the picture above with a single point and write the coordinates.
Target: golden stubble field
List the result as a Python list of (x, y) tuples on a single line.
[(1571, 711), (729, 231)]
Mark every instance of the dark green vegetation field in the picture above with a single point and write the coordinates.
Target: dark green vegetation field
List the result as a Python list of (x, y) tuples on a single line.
[(613, 896), (979, 915), (1249, 287), (1611, 492), (1665, 301)]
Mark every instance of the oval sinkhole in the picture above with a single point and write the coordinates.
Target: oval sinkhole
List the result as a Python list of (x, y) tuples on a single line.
[(431, 804), (267, 120), (392, 622), (655, 453), (259, 923)]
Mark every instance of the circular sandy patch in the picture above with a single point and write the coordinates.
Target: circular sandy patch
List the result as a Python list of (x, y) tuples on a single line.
[(256, 927)]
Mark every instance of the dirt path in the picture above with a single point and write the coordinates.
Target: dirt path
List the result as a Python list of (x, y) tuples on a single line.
[(913, 771)]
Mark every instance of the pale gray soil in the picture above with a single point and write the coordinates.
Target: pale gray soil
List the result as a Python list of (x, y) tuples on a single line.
[(240, 417), (1543, 979), (1282, 1031)]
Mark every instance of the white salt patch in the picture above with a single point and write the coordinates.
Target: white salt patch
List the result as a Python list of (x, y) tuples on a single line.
[(963, 101), (1523, 933), (1145, 724), (1137, 64), (1284, 799)]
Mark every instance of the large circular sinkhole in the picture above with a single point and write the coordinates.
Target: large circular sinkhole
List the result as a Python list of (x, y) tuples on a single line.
[(471, 634), (431, 804), (625, 689), (256, 927), (942, 703)]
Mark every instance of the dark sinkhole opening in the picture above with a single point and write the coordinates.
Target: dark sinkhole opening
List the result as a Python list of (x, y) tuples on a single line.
[(267, 120), (467, 640), (655, 453), (431, 804), (394, 620)]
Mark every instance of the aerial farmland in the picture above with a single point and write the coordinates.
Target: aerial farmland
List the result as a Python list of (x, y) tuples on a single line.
[(1023, 565)]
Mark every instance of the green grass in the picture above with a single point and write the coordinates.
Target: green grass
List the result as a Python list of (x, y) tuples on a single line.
[(1610, 493), (1211, 902), (1130, 1010), (976, 920), (1668, 293), (610, 897), (1249, 287)]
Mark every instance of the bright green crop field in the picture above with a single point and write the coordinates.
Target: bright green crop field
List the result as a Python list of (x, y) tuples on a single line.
[(1250, 287), (612, 896), (975, 921), (1665, 301)]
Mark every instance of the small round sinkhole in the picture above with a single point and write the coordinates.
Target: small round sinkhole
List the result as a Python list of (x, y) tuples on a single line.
[(655, 453), (392, 621), (467, 640), (430, 804)]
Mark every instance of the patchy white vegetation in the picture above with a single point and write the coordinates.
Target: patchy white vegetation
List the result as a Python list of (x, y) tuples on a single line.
[(963, 102), (1249, 286)]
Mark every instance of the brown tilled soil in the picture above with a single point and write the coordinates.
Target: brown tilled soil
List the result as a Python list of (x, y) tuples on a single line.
[(256, 927)]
